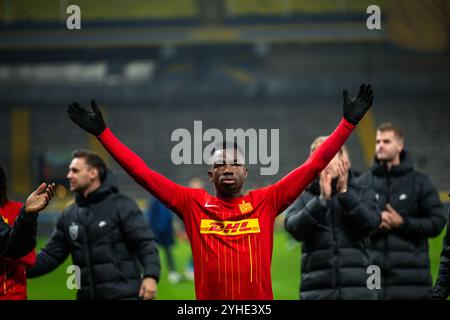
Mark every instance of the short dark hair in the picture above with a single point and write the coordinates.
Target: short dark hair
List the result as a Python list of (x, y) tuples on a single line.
[(93, 160), (389, 126), (225, 145), (3, 187)]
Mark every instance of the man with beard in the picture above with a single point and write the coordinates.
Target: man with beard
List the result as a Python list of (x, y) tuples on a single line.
[(106, 234), (411, 213)]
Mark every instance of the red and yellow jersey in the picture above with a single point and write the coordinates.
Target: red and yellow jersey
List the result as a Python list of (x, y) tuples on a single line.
[(231, 239)]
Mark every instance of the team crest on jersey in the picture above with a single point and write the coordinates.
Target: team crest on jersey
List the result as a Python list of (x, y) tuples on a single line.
[(73, 231), (245, 207), (229, 228)]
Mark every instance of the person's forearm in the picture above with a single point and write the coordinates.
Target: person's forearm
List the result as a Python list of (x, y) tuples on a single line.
[(296, 181), (302, 222), (161, 187), (20, 239), (361, 213), (45, 263), (423, 226)]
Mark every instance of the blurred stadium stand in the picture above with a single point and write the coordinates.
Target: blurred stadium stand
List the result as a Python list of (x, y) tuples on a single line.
[(15, 12), (303, 94), (45, 13), (177, 22)]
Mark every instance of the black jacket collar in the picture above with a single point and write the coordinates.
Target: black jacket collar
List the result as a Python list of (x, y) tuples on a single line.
[(405, 166), (107, 187)]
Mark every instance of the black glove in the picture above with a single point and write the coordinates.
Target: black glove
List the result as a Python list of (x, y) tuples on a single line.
[(91, 121), (355, 109)]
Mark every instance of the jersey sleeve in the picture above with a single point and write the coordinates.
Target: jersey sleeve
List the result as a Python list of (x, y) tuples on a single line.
[(171, 194), (284, 192)]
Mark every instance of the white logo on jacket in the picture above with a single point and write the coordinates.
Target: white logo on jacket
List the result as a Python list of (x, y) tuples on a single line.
[(73, 231), (403, 196)]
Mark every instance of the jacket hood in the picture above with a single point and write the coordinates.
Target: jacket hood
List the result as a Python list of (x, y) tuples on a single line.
[(405, 166), (108, 186)]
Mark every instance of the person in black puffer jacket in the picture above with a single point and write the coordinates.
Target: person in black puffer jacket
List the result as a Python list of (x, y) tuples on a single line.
[(106, 234), (411, 213), (333, 218)]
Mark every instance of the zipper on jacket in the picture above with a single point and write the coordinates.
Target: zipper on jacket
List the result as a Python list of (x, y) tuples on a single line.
[(386, 247), (336, 252), (90, 268), (388, 181), (87, 244)]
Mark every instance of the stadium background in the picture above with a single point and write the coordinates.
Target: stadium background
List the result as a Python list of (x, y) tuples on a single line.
[(155, 66)]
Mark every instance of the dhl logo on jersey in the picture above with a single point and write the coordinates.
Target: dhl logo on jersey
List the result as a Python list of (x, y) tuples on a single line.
[(229, 228)]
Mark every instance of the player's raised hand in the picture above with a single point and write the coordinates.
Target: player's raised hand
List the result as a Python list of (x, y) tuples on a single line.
[(355, 109), (40, 198), (91, 121)]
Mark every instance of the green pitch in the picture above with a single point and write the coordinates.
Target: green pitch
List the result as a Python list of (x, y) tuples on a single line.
[(285, 273)]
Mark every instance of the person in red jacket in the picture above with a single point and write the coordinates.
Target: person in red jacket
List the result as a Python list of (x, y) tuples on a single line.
[(13, 280)]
